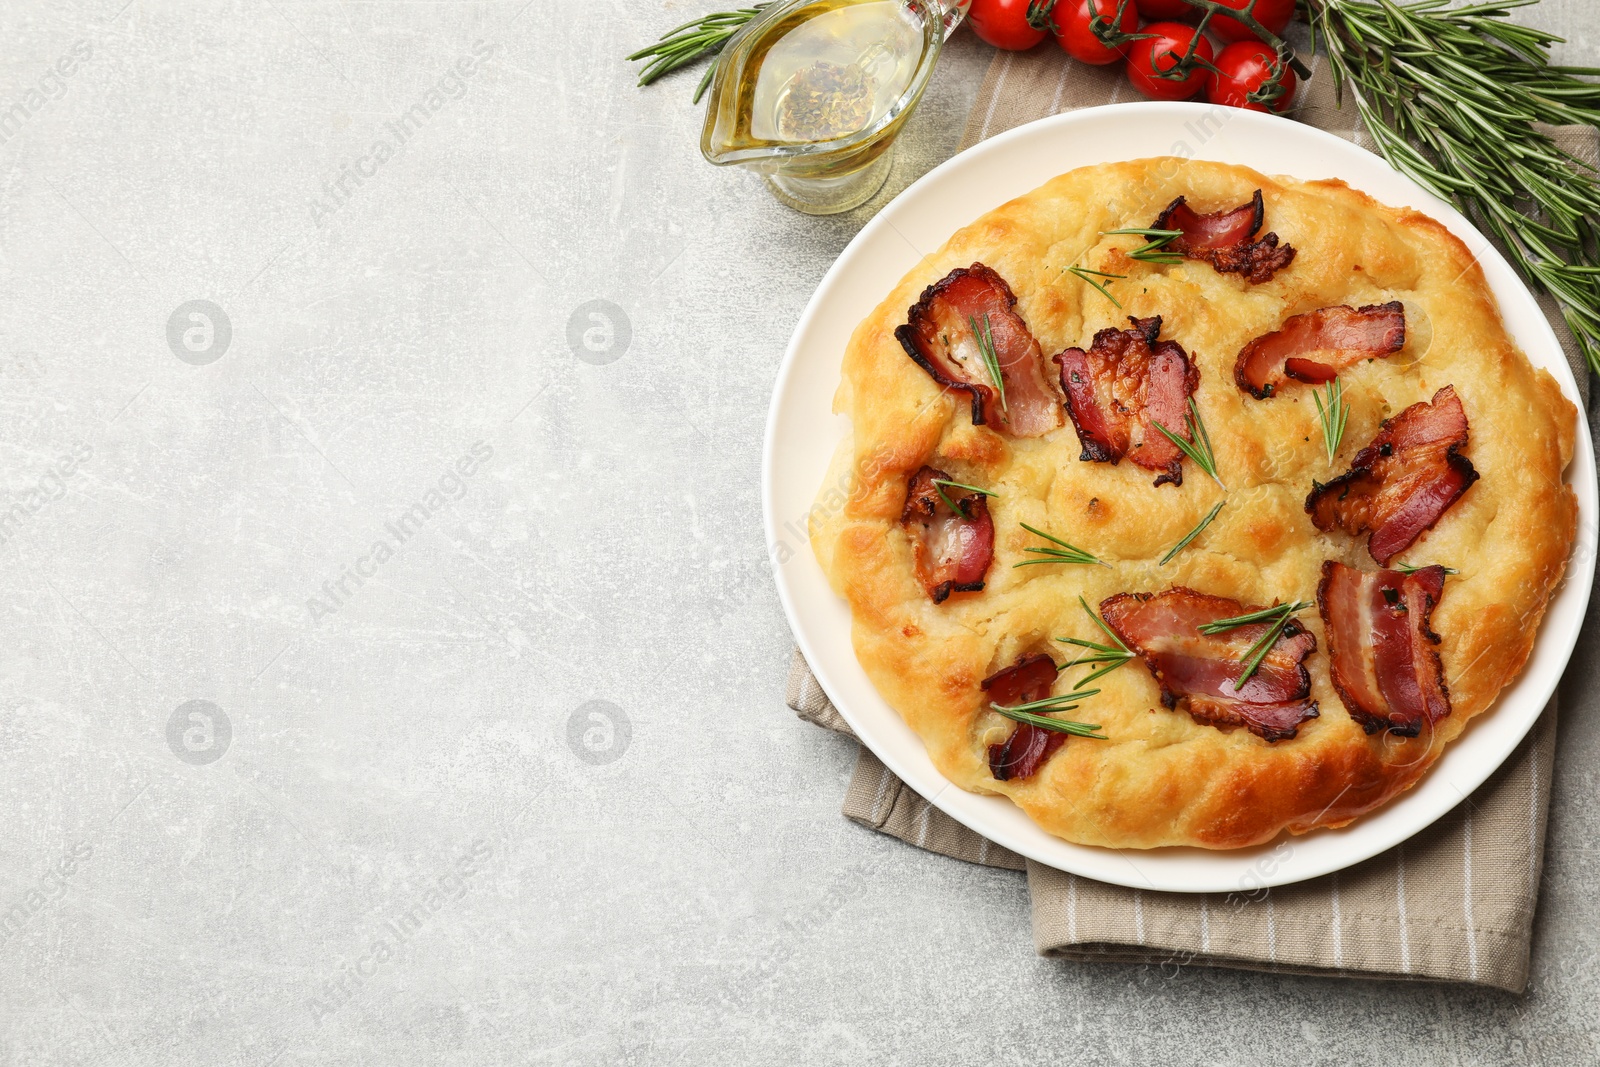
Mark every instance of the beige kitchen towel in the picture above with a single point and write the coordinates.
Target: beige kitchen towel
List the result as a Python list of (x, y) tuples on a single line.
[(1453, 903)]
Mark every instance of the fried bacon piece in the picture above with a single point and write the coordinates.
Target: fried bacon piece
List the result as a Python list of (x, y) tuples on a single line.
[(1223, 239), (1126, 381), (1025, 751), (1201, 670), (953, 547), (1340, 336), (1403, 481), (939, 336), (1384, 663)]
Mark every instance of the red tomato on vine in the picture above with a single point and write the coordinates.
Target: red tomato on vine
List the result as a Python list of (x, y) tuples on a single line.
[(1094, 31), (1252, 76), (1170, 63), (1274, 16), (1005, 24), (1167, 9)]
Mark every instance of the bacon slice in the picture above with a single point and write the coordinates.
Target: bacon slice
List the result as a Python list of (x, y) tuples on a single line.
[(1026, 750), (1340, 336), (1384, 663), (939, 336), (1202, 670), (1223, 239), (1403, 481), (1206, 233), (1126, 381), (952, 548)]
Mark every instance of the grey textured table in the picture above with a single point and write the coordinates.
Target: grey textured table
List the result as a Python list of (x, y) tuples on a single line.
[(400, 506)]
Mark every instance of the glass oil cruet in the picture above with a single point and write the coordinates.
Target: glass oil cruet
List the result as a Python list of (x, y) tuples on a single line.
[(812, 93)]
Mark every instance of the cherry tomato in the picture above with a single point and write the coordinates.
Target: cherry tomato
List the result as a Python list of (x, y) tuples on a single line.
[(1274, 16), (1167, 9), (1004, 24), (1074, 23), (1243, 68), (1153, 56)]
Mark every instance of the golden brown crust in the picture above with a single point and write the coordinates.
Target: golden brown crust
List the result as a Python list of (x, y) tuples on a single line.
[(1164, 779)]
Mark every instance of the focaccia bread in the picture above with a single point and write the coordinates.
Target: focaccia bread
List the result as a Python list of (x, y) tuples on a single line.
[(1452, 456)]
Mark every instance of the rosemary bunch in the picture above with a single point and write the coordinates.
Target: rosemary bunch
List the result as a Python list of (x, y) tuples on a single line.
[(1451, 96)]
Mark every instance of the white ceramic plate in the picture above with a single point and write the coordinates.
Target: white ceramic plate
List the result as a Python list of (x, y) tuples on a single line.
[(802, 434)]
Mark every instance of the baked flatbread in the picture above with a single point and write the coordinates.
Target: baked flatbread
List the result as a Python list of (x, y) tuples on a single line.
[(1178, 766)]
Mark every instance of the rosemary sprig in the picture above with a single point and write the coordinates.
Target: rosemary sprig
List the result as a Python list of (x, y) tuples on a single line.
[(1258, 651), (1109, 656), (1152, 250), (1224, 625), (691, 42), (1192, 534), (1044, 722), (1407, 568), (1280, 614), (1065, 553), (991, 361), (1059, 702), (940, 483), (1451, 96), (1084, 273), (1334, 413), (1113, 655), (1197, 446)]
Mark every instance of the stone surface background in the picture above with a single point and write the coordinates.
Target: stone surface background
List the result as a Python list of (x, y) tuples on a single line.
[(523, 789)]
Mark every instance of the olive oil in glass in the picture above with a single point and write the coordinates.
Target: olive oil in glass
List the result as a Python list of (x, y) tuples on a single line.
[(812, 93)]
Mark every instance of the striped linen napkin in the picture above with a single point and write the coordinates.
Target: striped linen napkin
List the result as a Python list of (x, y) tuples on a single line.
[(1454, 903)]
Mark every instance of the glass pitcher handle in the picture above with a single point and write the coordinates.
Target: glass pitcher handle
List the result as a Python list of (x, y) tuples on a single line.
[(952, 11)]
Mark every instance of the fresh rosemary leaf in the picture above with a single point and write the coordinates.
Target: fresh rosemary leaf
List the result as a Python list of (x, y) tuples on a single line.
[(1082, 643), (991, 361), (1223, 625), (940, 483), (1059, 702), (1197, 446), (1113, 655), (1279, 614), (1258, 651), (1111, 664), (1152, 251), (1084, 273), (1060, 726), (1066, 553), (964, 485), (1407, 568), (1192, 534), (695, 40), (1334, 413), (1098, 621)]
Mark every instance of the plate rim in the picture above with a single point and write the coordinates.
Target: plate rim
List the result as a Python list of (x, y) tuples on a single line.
[(1230, 869)]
